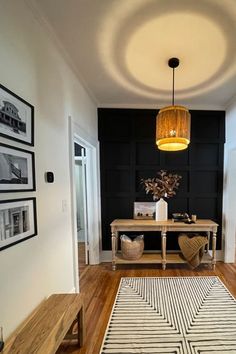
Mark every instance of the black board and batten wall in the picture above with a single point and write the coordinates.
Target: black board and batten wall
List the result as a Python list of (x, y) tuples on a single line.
[(128, 153)]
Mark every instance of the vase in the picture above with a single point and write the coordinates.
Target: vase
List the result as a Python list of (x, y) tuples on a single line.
[(161, 210)]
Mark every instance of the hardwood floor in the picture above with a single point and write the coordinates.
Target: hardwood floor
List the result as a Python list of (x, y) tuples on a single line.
[(99, 284)]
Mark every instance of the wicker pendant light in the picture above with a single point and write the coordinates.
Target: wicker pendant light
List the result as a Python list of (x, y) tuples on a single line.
[(173, 123)]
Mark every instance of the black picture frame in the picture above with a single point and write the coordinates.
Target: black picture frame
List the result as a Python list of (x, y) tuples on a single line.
[(17, 169), (18, 221), (16, 117)]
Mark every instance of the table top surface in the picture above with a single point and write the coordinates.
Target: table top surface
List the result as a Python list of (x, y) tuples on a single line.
[(170, 222)]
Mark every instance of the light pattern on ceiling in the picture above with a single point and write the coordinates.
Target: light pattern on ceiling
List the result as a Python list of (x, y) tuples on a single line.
[(120, 49), (137, 40)]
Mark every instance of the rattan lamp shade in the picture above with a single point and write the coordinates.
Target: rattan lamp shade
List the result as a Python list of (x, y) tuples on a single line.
[(173, 128)]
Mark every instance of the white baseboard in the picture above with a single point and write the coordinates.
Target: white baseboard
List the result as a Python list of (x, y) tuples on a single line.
[(219, 255), (105, 256)]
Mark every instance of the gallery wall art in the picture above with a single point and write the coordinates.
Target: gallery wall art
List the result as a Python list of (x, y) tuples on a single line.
[(18, 218), (17, 170), (16, 117), (18, 221)]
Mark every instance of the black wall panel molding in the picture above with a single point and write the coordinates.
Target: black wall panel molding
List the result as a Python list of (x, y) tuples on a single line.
[(128, 153)]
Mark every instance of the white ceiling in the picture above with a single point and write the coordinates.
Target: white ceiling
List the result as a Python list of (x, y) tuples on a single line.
[(120, 49)]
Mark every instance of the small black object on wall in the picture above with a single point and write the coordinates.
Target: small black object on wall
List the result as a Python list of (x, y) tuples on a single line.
[(49, 177)]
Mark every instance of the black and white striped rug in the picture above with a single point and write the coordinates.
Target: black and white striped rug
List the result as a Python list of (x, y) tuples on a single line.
[(186, 315)]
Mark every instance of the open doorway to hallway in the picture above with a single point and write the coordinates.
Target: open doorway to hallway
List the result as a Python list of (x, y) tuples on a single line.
[(81, 205), (93, 212)]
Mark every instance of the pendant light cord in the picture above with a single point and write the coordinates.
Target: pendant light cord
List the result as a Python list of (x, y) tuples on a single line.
[(173, 88)]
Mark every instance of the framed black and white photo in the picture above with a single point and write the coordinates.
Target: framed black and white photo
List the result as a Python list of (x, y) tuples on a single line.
[(144, 210), (18, 221), (16, 117), (17, 169)]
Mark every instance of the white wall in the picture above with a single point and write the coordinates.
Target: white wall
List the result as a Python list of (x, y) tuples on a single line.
[(229, 200), (32, 67)]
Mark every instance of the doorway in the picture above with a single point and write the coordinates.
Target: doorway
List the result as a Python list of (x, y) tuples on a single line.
[(91, 146), (81, 205)]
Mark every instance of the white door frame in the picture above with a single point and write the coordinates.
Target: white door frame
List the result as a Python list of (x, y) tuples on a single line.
[(229, 206), (78, 135), (82, 158)]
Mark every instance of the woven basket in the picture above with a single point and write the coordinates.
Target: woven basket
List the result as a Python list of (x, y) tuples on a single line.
[(132, 250)]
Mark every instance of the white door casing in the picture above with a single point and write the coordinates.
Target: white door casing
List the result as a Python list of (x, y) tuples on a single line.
[(82, 208), (79, 136)]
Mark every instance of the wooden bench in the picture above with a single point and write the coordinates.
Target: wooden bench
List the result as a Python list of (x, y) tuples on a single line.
[(48, 325)]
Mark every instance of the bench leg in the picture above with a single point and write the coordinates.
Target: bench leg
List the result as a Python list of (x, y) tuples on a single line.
[(80, 335), (81, 327)]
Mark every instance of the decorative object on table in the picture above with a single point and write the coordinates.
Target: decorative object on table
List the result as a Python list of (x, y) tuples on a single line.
[(16, 117), (192, 247), (17, 170), (162, 186), (194, 217), (180, 217), (184, 315), (18, 221), (161, 213), (132, 249), (144, 210), (173, 122), (189, 221)]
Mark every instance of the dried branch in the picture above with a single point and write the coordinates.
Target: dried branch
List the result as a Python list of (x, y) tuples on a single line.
[(162, 186)]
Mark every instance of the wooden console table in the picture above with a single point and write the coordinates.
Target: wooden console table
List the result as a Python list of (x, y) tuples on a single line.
[(122, 225)]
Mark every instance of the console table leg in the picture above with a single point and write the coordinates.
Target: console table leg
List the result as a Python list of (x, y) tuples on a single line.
[(114, 245), (208, 243), (163, 249), (214, 251)]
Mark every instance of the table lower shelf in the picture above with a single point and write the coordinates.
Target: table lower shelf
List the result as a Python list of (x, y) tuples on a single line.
[(156, 258), (146, 258)]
